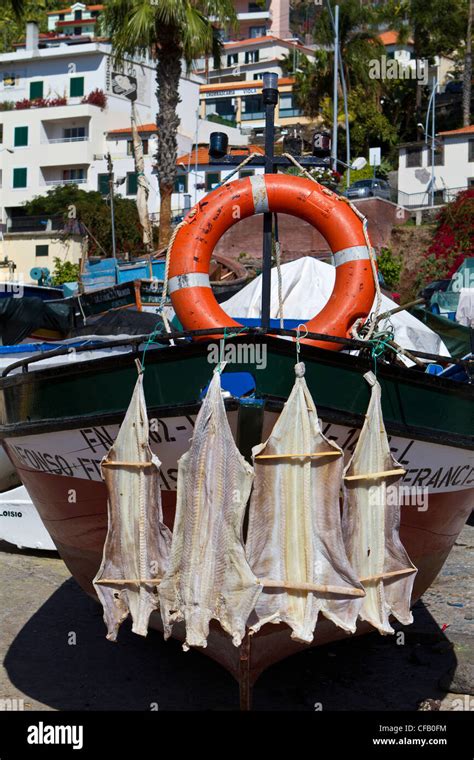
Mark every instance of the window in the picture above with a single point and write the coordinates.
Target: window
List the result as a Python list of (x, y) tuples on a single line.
[(19, 177), (287, 105), (74, 133), (222, 107), (252, 107), (439, 155), (232, 59), (103, 184), (1, 133), (61, 16), (181, 184), (77, 15), (130, 147), (212, 179), (246, 173), (36, 90), (252, 56), (471, 150), (73, 175), (77, 30), (42, 250), (76, 87), (257, 31), (10, 80), (131, 183), (21, 137), (470, 181), (413, 157)]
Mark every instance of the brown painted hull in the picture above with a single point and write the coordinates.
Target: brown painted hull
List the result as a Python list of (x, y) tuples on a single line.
[(79, 528)]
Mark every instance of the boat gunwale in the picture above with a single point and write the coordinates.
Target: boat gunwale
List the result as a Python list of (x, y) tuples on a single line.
[(408, 375), (271, 403)]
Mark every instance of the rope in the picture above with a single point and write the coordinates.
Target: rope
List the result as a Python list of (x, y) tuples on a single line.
[(372, 321), (246, 160), (278, 267)]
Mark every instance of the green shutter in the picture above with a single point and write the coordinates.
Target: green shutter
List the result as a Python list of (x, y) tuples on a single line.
[(132, 183), (36, 90), (21, 137), (42, 250), (19, 177), (103, 184), (76, 87)]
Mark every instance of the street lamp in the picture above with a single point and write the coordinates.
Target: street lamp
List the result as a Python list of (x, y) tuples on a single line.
[(432, 108)]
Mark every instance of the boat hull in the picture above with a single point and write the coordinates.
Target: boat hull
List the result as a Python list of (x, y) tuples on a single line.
[(57, 425), (78, 529)]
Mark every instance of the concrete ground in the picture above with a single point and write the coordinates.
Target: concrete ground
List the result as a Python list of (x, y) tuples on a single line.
[(55, 655)]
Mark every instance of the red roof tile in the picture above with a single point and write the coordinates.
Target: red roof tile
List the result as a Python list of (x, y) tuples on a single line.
[(128, 130), (461, 131)]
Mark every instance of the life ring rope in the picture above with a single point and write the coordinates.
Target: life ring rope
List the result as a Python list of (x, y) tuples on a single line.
[(188, 256)]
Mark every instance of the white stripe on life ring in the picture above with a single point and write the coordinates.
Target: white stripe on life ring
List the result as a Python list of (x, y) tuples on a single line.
[(259, 192), (191, 280), (354, 253)]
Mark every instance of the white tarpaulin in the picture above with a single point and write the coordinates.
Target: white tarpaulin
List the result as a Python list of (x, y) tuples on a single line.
[(307, 285), (465, 311)]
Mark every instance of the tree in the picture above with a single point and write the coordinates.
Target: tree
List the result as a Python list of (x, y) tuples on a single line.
[(169, 31), (358, 40), (88, 213), (437, 28)]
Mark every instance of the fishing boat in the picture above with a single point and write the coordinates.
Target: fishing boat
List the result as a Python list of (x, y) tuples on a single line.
[(58, 424)]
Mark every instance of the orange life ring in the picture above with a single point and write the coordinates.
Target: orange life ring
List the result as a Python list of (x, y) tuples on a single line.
[(188, 283)]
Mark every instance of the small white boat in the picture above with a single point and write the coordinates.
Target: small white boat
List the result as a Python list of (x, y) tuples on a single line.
[(20, 523)]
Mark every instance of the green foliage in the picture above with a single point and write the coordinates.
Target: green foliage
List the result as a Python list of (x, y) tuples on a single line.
[(92, 215), (390, 267), (370, 126), (14, 15), (64, 271)]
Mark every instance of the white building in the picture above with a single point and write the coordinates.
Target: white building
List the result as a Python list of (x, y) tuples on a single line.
[(247, 60), (453, 168), (197, 176), (60, 135)]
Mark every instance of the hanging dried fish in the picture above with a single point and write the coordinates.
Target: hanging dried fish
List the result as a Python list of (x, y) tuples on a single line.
[(294, 535), (209, 576), (371, 523), (138, 543)]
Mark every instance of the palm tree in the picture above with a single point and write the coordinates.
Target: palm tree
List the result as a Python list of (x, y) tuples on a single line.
[(169, 31), (358, 40)]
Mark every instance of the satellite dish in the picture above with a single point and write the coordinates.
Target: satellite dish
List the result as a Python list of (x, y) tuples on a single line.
[(40, 274), (359, 164)]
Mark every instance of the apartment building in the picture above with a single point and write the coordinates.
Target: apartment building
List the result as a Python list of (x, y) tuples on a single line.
[(241, 104), (61, 97)]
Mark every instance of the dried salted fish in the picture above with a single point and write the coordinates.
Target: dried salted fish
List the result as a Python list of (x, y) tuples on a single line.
[(138, 543), (371, 523), (208, 576), (294, 532)]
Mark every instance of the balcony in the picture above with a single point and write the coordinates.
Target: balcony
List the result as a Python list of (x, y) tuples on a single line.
[(56, 182), (253, 115), (65, 140)]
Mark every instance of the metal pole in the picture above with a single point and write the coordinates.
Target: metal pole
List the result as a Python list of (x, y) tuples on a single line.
[(433, 137), (270, 98), (110, 170), (346, 119), (335, 85)]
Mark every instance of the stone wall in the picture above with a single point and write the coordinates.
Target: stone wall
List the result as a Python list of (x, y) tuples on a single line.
[(298, 238)]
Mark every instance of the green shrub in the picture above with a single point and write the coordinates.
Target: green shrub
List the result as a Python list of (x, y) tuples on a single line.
[(390, 267)]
